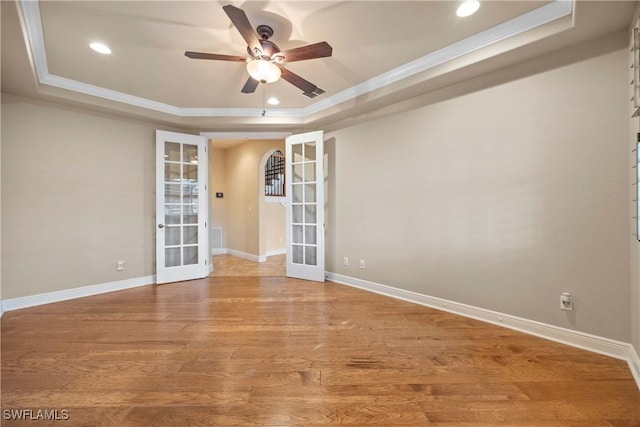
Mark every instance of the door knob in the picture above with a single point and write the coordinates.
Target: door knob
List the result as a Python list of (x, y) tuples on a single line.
[(161, 225)]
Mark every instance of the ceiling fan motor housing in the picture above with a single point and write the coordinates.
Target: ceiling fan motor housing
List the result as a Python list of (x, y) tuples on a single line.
[(268, 50)]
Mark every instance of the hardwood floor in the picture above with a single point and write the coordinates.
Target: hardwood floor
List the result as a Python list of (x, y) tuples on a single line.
[(232, 266), (282, 352)]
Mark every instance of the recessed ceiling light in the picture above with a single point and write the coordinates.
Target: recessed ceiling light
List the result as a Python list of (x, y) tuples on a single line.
[(468, 8), (273, 101), (100, 48)]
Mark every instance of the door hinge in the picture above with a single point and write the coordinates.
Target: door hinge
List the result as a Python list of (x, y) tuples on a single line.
[(205, 224)]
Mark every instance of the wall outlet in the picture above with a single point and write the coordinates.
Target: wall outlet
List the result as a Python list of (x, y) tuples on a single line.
[(361, 263), (120, 265), (566, 301), (345, 261)]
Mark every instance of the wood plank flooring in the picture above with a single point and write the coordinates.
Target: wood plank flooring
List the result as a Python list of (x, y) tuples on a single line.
[(232, 266), (282, 352)]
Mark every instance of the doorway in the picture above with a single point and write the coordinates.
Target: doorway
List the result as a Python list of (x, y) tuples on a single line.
[(244, 240)]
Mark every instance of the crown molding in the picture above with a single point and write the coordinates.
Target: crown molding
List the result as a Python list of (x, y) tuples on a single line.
[(30, 11), (246, 135), (511, 28)]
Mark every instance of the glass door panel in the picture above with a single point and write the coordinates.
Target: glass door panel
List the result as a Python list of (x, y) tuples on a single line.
[(181, 204), (304, 198)]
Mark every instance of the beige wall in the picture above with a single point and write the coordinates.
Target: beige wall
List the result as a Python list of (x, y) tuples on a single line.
[(218, 184), (274, 227), (502, 198), (242, 181), (78, 195)]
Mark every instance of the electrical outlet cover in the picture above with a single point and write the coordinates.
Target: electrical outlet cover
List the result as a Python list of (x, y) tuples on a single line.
[(566, 301)]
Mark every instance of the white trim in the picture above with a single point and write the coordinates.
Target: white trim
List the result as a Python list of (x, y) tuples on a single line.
[(582, 340), (273, 252), (634, 364), (245, 135), (33, 26), (244, 255), (67, 294), (30, 10), (112, 95), (276, 199)]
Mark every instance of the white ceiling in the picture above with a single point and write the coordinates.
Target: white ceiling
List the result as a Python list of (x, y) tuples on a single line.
[(383, 52)]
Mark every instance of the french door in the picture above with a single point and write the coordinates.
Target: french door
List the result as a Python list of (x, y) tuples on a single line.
[(305, 207), (182, 244)]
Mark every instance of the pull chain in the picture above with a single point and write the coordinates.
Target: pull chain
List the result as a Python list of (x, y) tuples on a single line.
[(264, 108)]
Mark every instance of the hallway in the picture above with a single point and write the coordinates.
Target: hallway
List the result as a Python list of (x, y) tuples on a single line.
[(232, 266)]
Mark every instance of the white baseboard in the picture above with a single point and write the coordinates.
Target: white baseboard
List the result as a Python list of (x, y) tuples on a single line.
[(67, 294), (634, 364), (276, 252), (582, 340), (244, 255), (276, 199)]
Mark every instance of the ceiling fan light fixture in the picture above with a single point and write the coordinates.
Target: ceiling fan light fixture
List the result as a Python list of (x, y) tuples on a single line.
[(468, 8), (263, 71)]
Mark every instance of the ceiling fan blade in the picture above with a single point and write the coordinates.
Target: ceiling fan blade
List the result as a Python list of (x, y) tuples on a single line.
[(241, 22), (215, 56), (250, 86), (307, 88), (311, 51)]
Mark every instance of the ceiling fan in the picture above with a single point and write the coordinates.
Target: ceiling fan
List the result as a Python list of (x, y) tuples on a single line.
[(265, 63)]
